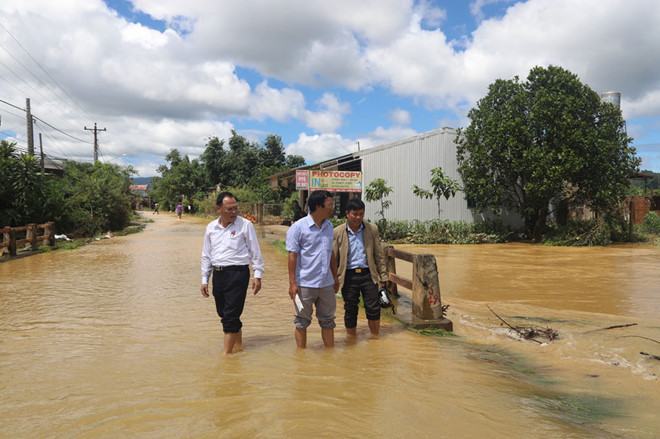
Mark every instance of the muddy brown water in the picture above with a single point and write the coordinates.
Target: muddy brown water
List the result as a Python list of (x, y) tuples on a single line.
[(113, 339)]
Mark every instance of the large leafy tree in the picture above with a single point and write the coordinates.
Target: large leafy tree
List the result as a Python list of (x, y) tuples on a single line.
[(215, 162), (542, 142), (180, 177)]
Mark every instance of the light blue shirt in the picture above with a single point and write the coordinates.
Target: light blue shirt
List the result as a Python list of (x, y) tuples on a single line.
[(313, 245), (357, 257)]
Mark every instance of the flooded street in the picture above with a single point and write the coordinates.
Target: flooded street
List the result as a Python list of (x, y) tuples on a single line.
[(114, 339)]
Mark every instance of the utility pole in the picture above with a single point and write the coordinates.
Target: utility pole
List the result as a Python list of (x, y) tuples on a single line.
[(41, 150), (30, 134), (96, 141)]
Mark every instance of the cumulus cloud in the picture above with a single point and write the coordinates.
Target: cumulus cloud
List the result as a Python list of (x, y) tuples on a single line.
[(319, 147), (129, 75), (400, 116), (329, 118)]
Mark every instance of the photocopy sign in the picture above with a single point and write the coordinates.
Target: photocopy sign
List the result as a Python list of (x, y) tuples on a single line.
[(335, 181)]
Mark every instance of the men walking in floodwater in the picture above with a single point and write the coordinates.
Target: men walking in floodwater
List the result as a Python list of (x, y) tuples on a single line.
[(230, 246), (360, 266), (313, 278)]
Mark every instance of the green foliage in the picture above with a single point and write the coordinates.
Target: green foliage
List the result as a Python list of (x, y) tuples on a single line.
[(378, 190), (90, 198), (580, 233), (445, 232), (22, 194), (442, 186), (652, 223), (547, 139), (280, 245), (87, 199), (181, 179), (239, 165)]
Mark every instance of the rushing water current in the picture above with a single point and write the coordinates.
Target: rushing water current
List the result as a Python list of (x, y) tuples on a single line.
[(114, 339)]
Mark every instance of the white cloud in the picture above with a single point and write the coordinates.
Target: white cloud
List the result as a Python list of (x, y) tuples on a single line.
[(400, 116), (319, 147), (477, 7), (330, 118), (280, 105), (128, 75)]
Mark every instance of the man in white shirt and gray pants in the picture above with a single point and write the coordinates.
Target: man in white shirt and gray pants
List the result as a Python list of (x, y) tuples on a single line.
[(230, 246)]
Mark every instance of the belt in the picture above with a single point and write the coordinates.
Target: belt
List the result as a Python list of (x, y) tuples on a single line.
[(357, 270), (231, 268)]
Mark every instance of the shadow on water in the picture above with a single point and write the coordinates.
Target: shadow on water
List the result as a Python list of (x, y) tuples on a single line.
[(535, 386)]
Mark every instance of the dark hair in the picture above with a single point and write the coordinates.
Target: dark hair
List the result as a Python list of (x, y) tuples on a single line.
[(316, 199), (222, 196), (354, 204)]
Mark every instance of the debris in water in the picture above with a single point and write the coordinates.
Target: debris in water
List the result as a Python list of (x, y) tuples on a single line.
[(530, 332), (612, 327), (651, 356)]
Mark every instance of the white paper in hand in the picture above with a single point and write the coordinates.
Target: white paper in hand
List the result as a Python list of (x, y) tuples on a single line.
[(298, 302)]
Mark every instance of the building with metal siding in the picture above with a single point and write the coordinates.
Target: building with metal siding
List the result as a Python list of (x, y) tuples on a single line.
[(408, 162), (402, 164)]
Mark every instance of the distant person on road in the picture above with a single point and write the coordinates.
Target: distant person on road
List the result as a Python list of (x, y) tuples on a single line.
[(155, 212), (360, 266), (178, 210), (230, 246), (312, 269)]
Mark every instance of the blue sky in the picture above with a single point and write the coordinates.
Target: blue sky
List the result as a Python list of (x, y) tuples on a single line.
[(162, 74)]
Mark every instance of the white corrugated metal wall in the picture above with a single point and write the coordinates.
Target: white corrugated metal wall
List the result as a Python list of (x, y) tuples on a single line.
[(408, 162)]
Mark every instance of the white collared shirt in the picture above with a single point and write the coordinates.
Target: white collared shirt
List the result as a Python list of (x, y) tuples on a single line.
[(235, 244)]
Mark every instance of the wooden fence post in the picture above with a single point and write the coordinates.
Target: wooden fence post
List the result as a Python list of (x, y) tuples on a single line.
[(260, 213), (31, 236), (390, 265), (12, 242), (426, 288), (49, 233)]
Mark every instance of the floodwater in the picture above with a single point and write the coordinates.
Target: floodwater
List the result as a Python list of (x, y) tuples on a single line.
[(114, 339)]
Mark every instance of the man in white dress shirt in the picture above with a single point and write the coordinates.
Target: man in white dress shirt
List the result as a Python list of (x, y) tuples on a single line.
[(230, 246)]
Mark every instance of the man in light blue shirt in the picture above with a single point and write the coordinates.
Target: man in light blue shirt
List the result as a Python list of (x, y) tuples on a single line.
[(312, 269)]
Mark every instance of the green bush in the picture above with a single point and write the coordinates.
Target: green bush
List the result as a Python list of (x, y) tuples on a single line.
[(443, 232), (652, 223)]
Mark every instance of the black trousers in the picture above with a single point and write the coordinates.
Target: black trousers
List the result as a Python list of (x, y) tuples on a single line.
[(354, 285), (229, 291)]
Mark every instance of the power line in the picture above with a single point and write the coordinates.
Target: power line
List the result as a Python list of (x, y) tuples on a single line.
[(12, 105), (59, 130), (43, 69)]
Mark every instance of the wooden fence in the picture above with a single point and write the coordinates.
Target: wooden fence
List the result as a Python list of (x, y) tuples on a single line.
[(34, 235), (426, 304)]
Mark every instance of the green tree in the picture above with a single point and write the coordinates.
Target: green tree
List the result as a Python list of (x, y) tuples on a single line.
[(294, 161), (547, 140), (182, 178), (91, 198), (214, 158), (22, 196), (442, 186), (378, 190)]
